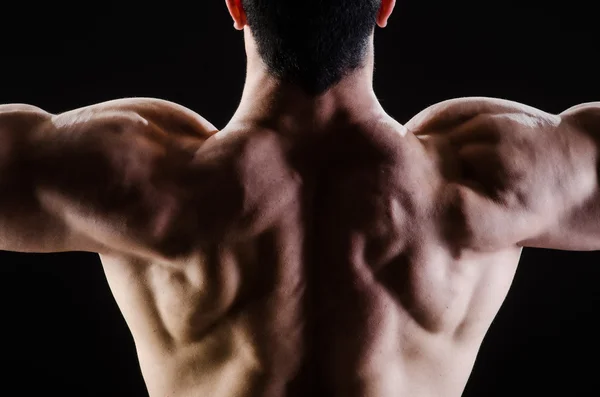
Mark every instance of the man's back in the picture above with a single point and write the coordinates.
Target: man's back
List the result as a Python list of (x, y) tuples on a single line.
[(330, 263)]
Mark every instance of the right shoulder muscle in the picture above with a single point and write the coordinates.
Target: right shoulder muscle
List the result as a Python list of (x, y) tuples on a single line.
[(101, 178)]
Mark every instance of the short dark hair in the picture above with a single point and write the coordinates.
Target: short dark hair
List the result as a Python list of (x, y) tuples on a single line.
[(312, 43)]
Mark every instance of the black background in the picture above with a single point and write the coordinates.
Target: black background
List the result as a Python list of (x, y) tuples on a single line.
[(60, 329)]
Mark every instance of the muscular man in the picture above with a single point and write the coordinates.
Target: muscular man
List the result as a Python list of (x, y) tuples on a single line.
[(314, 246)]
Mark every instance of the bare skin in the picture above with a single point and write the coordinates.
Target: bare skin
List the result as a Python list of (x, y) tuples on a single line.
[(314, 246)]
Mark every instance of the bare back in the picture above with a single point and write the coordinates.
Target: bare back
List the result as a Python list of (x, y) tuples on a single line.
[(338, 272)]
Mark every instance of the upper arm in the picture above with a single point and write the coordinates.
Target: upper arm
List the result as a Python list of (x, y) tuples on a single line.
[(577, 228), (22, 218), (526, 177), (104, 178)]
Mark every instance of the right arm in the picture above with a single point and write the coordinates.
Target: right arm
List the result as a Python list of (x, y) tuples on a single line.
[(110, 177), (25, 225)]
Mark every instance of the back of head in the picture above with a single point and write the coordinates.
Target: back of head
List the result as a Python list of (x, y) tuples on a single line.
[(312, 43)]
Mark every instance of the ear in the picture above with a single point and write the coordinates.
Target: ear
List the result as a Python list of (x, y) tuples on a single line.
[(236, 10), (385, 11)]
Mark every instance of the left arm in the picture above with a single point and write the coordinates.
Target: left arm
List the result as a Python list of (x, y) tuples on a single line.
[(527, 177), (577, 226)]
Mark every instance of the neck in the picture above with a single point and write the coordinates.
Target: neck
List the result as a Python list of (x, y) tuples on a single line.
[(268, 101)]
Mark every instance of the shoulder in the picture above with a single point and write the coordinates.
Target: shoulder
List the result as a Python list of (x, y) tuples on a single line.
[(167, 116), (18, 118), (449, 114), (156, 119)]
